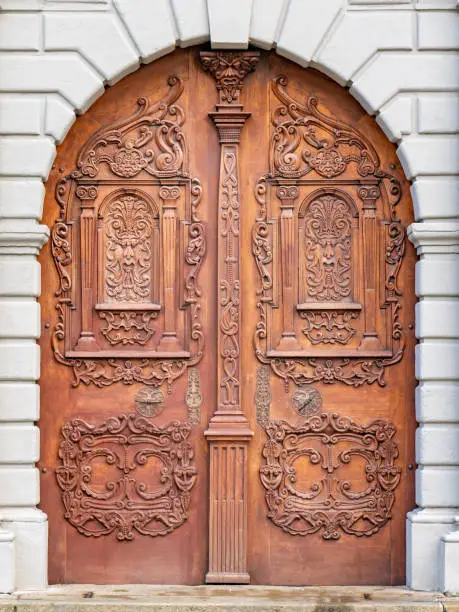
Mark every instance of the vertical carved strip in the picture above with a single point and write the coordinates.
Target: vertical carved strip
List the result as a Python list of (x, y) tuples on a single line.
[(87, 195), (369, 195), (229, 432), (169, 195), (288, 195)]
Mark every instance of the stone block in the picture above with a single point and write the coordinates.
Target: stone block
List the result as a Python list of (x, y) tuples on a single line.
[(438, 113), (437, 360), (301, 36), (192, 21), (20, 32), (437, 444), (81, 32), (19, 276), (19, 319), (396, 118), (21, 198), (437, 319), (7, 577), (59, 117), (19, 443), (20, 114), (435, 197), (20, 360), (19, 486), (150, 26), (437, 402), (359, 36), (438, 30), (266, 22), (25, 156), (437, 487), (429, 155), (437, 276), (19, 402), (229, 23), (391, 72), (67, 74)]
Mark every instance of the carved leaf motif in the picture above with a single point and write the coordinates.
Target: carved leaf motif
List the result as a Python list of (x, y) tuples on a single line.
[(124, 503), (127, 327), (128, 230), (332, 505), (329, 327), (328, 248)]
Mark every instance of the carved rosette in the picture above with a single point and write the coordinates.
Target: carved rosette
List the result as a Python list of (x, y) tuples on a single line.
[(328, 246), (106, 479), (336, 502), (116, 253)]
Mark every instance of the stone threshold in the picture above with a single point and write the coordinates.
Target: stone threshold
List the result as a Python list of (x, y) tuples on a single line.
[(143, 598)]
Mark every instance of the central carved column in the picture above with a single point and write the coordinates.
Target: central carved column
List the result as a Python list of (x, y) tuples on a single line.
[(229, 432)]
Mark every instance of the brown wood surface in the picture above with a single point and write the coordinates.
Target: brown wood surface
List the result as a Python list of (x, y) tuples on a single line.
[(274, 556)]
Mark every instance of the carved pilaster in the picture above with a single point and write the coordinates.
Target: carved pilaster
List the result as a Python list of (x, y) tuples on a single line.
[(369, 194), (169, 195), (287, 195), (87, 195), (229, 432)]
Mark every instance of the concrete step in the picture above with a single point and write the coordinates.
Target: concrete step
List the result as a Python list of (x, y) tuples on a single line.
[(142, 598)]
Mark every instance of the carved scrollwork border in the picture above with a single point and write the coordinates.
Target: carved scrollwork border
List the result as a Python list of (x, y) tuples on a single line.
[(330, 506)]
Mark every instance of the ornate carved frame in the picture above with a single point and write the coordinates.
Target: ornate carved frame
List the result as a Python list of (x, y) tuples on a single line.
[(310, 154), (142, 154)]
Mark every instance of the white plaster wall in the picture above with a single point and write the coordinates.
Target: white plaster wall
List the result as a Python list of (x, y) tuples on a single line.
[(398, 58)]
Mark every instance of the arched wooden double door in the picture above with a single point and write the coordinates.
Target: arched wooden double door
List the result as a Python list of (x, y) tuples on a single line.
[(227, 351)]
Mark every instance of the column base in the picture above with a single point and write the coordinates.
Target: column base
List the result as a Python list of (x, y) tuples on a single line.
[(227, 578), (425, 528), (7, 562), (30, 529)]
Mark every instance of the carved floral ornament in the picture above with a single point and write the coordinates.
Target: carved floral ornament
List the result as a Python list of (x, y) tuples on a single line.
[(327, 187), (107, 243)]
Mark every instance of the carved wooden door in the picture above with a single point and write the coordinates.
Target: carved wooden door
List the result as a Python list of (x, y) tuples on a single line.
[(227, 351)]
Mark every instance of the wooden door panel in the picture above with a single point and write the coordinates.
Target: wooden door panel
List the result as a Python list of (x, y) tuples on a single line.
[(329, 303), (124, 392), (228, 306)]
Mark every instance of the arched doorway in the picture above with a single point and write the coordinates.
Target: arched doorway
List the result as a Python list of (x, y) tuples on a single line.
[(227, 369)]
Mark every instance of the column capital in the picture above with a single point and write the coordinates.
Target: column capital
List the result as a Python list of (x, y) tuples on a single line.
[(435, 237), (22, 236)]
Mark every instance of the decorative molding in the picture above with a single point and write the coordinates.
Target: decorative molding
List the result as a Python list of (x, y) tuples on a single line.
[(331, 506), (434, 237), (125, 505), (193, 397), (263, 395)]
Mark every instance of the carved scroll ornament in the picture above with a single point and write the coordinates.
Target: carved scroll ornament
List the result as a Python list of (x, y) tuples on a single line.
[(117, 238), (124, 501), (331, 504)]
